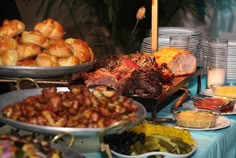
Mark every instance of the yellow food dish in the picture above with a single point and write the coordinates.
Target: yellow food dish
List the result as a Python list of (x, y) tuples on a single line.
[(196, 119), (225, 91), (162, 130)]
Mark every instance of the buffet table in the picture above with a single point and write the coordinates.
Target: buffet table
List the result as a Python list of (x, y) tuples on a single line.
[(211, 144)]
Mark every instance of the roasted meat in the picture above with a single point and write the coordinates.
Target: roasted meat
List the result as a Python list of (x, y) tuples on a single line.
[(180, 62), (133, 74), (101, 76), (145, 81)]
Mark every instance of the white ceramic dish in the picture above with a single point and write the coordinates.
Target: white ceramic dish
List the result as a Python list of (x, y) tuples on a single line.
[(208, 92), (221, 122), (164, 154)]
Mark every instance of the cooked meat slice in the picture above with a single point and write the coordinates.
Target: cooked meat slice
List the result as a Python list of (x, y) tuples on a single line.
[(101, 76), (180, 62)]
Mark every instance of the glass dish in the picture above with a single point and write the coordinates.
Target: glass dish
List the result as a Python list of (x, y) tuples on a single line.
[(212, 103), (195, 118)]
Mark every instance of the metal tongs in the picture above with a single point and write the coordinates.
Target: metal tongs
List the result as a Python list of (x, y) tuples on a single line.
[(183, 97)]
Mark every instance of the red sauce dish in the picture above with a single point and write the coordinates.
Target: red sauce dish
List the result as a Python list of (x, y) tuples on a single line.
[(213, 103)]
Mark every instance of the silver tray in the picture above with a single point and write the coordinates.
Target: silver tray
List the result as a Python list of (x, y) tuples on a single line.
[(43, 72), (16, 96)]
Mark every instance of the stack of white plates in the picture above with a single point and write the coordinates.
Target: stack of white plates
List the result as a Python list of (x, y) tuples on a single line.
[(146, 44), (231, 59), (204, 49), (164, 34)]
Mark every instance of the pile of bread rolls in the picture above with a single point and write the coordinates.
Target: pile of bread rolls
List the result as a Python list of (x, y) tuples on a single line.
[(42, 46)]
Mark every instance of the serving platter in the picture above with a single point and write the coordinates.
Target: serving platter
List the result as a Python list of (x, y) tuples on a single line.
[(209, 92), (164, 154), (221, 122), (43, 72), (17, 96)]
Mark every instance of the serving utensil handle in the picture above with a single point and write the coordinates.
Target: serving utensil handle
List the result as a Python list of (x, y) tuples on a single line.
[(26, 79), (61, 135), (181, 99)]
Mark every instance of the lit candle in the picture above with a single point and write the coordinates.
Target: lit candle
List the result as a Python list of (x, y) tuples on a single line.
[(154, 30)]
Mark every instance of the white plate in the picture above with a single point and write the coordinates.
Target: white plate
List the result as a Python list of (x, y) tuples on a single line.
[(179, 30), (164, 154), (230, 113), (221, 122), (208, 92)]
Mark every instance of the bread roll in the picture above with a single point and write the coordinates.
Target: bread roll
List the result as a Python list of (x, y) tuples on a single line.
[(50, 29), (180, 62), (80, 49), (52, 41), (9, 57), (34, 37), (11, 28), (7, 43), (60, 48), (27, 50), (18, 39), (70, 61), (27, 62), (47, 60)]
